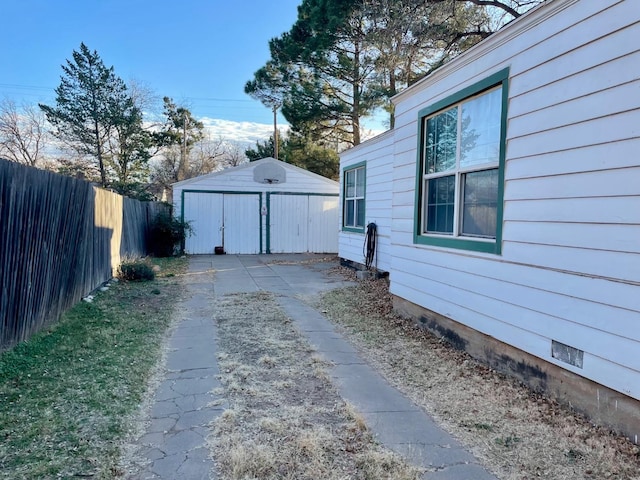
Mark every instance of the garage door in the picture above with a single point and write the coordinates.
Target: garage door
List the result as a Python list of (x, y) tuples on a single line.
[(302, 223), (231, 220)]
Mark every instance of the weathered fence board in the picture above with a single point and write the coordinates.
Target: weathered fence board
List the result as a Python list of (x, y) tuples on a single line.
[(60, 238)]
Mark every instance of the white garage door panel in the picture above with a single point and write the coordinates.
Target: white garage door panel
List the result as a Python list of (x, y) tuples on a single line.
[(288, 223), (241, 223), (323, 224), (303, 223), (204, 212)]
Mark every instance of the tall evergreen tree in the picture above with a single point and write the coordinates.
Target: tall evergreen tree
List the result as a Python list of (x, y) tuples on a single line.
[(91, 101), (343, 59), (128, 153), (180, 130), (325, 64), (264, 149)]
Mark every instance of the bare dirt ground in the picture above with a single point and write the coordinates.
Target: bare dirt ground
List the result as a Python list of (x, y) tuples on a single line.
[(517, 434), (285, 420)]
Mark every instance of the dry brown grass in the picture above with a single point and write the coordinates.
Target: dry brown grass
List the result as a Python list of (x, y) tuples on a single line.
[(516, 433), (285, 419)]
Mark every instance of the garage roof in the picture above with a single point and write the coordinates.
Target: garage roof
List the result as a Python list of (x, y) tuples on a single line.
[(268, 160)]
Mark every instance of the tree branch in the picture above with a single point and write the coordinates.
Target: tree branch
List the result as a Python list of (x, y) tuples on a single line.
[(495, 3)]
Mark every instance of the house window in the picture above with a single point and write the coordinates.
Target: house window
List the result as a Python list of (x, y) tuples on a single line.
[(461, 168), (354, 198)]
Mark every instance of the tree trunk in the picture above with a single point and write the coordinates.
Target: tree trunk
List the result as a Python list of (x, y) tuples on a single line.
[(355, 112), (392, 92), (99, 154)]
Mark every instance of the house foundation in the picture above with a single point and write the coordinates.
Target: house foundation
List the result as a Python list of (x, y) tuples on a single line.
[(601, 405)]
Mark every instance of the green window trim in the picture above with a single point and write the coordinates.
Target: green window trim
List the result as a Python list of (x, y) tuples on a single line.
[(355, 228), (494, 246)]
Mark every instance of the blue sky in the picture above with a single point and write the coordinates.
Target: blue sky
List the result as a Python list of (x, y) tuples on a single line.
[(199, 52)]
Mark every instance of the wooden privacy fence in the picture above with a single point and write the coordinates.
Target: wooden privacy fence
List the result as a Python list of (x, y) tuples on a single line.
[(60, 238)]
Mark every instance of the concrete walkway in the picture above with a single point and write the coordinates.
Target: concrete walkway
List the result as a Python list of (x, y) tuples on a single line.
[(175, 442)]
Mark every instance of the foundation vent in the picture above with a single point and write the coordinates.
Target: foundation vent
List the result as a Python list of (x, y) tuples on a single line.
[(567, 354)]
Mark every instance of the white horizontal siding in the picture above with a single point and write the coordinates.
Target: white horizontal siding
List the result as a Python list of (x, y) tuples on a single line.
[(378, 156), (620, 182), (589, 158), (580, 261), (614, 128), (594, 51), (599, 78), (622, 238), (529, 302), (598, 210), (570, 263), (510, 310), (596, 105)]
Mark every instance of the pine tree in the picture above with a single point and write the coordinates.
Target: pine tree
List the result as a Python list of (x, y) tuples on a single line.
[(92, 108)]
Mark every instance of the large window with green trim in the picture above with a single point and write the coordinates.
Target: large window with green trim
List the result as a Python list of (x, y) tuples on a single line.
[(354, 180), (461, 168)]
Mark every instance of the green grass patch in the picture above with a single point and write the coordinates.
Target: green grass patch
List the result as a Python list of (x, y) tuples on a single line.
[(170, 266), (68, 395)]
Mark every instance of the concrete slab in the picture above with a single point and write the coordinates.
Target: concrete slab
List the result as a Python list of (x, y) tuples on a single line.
[(174, 444), (367, 390), (411, 426), (185, 360), (175, 441)]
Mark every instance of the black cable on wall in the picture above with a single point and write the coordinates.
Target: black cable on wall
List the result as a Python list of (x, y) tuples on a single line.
[(369, 247)]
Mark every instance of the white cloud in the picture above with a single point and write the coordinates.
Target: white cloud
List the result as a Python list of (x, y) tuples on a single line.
[(246, 133)]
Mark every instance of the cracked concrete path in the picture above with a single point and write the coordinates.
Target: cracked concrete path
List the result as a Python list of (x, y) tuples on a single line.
[(174, 445), (175, 442)]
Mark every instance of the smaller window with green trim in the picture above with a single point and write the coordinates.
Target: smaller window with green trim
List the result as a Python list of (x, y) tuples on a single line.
[(461, 168), (354, 180)]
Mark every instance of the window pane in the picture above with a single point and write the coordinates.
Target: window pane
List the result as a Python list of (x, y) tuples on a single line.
[(480, 136), (440, 204), (360, 177), (360, 213), (440, 142), (350, 182), (480, 203), (349, 214)]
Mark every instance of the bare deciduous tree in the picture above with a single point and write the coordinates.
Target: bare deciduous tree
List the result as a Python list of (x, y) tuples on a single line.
[(234, 155), (206, 156), (23, 133)]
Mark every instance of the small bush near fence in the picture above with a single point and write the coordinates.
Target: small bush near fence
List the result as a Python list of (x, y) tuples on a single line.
[(136, 271), (167, 235)]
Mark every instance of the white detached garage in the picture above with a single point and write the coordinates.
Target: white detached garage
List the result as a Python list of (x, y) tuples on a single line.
[(266, 206)]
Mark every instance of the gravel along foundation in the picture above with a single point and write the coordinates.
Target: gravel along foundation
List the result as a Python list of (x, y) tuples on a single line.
[(515, 433), (285, 420)]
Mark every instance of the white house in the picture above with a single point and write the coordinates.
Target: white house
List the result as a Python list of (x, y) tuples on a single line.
[(266, 206), (507, 200)]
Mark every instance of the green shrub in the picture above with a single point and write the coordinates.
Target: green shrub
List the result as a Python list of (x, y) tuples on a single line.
[(167, 235), (136, 271)]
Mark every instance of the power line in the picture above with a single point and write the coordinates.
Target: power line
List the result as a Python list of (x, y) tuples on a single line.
[(28, 87), (205, 106), (39, 87)]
